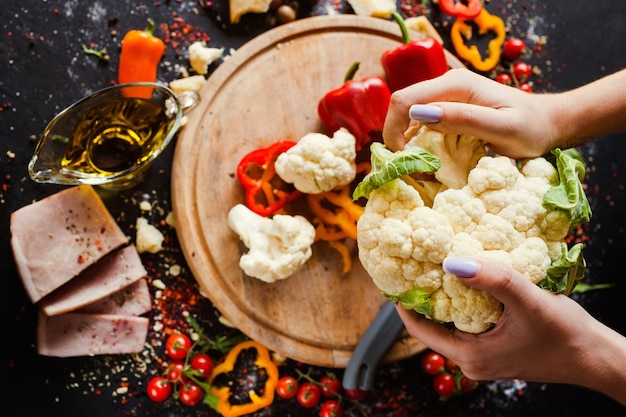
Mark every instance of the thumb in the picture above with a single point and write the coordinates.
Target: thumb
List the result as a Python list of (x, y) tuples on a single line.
[(498, 279)]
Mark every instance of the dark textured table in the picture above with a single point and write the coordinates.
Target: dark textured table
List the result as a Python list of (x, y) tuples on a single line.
[(43, 69)]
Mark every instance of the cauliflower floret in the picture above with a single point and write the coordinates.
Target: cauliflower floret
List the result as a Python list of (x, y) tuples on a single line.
[(492, 173), (201, 56), (540, 168), (461, 207), (278, 247), (531, 259), (458, 153), (494, 232), (318, 163), (470, 310), (401, 242)]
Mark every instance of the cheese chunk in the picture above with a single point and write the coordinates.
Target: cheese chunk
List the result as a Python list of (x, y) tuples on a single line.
[(373, 8), (240, 7)]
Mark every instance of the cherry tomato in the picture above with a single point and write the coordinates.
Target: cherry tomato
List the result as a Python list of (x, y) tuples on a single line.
[(203, 364), (526, 87), (522, 71), (467, 385), (159, 389), (309, 395), (287, 387), (331, 408), (444, 385), (504, 78), (513, 48), (451, 366), (433, 363), (177, 346), (175, 372), (330, 385), (355, 394), (191, 394)]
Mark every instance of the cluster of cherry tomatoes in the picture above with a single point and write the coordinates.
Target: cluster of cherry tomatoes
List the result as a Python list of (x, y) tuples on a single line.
[(184, 375), (448, 379), (310, 393), (514, 72)]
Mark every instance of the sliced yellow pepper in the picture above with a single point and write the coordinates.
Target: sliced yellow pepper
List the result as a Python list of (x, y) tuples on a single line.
[(462, 31)]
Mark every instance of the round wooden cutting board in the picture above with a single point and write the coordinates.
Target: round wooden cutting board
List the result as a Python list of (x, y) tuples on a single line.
[(268, 91)]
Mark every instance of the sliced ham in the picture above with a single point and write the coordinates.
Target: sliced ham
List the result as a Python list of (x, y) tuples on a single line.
[(58, 237), (109, 275), (79, 334), (133, 300)]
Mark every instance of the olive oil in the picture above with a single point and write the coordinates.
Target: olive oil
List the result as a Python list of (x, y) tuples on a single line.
[(115, 136)]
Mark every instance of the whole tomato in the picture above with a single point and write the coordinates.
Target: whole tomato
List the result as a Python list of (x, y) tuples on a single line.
[(513, 48), (175, 372), (331, 408), (444, 385), (526, 87), (287, 387), (159, 389), (203, 364), (331, 385), (309, 395), (191, 394), (355, 394), (433, 363), (504, 78), (177, 346), (522, 71), (467, 385)]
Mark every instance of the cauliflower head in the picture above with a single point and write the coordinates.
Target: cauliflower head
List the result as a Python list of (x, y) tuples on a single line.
[(318, 163), (503, 211), (278, 247)]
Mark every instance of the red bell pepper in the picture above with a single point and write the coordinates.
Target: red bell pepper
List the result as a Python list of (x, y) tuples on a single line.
[(413, 61), (359, 106), (459, 9), (266, 194)]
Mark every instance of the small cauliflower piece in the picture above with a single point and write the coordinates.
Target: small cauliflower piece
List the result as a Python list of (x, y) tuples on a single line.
[(149, 238), (201, 56), (461, 207), (493, 173), (192, 83), (318, 163), (278, 247)]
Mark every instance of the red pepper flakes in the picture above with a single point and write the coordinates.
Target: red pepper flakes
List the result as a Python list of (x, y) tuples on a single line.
[(179, 32)]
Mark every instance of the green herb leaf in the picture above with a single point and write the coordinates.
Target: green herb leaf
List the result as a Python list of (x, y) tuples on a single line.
[(387, 166)]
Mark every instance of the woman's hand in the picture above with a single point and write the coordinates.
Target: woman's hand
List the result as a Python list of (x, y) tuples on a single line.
[(540, 336), (514, 123)]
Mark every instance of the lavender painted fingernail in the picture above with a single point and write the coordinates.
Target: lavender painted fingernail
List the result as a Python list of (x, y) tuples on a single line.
[(426, 113), (461, 267)]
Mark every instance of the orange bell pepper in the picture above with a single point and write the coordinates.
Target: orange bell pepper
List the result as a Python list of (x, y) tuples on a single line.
[(259, 397), (139, 60), (461, 31)]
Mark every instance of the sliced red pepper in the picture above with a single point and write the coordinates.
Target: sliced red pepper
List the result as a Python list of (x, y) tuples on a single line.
[(413, 61), (266, 193), (459, 9), (359, 106)]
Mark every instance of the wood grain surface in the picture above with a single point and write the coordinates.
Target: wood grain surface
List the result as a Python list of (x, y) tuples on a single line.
[(268, 91)]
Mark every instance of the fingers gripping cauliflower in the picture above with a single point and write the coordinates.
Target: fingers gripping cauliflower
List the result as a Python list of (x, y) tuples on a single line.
[(278, 247), (513, 214), (318, 163)]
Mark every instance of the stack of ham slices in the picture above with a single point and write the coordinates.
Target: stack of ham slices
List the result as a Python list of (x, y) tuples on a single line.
[(77, 265)]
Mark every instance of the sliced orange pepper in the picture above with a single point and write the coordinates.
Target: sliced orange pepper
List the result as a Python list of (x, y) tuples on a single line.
[(461, 31), (264, 362)]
